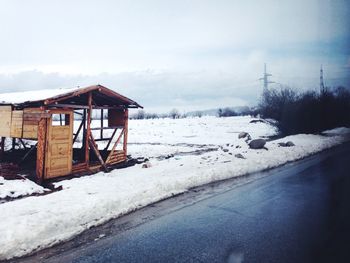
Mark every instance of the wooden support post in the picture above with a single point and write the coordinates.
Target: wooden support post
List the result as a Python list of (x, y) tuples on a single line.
[(110, 140), (125, 141), (88, 130), (2, 144), (41, 147), (97, 153), (78, 131), (84, 129), (101, 133)]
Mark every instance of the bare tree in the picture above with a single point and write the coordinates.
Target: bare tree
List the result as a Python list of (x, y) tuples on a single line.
[(174, 113)]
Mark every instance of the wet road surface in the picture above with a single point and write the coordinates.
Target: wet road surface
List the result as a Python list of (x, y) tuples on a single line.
[(296, 213)]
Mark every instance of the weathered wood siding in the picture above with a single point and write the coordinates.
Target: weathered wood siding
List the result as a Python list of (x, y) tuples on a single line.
[(117, 156), (17, 124), (5, 121), (31, 118)]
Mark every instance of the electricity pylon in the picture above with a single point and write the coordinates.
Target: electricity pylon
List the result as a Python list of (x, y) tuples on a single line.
[(322, 87), (265, 79)]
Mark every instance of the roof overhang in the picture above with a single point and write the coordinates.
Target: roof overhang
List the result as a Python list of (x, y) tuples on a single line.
[(102, 97)]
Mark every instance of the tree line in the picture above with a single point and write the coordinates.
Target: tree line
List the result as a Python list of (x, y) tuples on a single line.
[(306, 112)]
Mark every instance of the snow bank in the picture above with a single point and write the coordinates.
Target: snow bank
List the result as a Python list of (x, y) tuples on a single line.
[(17, 188), (33, 223), (337, 131)]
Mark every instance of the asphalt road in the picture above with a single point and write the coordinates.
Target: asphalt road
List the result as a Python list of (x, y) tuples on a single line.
[(297, 213)]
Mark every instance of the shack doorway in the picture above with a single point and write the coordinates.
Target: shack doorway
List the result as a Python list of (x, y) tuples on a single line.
[(59, 148)]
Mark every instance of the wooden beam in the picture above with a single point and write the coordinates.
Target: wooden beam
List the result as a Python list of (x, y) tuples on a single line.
[(106, 107), (114, 146), (102, 139), (79, 113), (97, 153), (41, 148), (22, 142), (81, 107), (84, 129), (106, 128), (68, 106), (125, 141), (88, 129), (28, 153), (109, 142), (78, 131), (101, 132), (2, 145)]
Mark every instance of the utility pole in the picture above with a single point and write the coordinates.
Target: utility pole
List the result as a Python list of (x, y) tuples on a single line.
[(265, 79), (322, 88)]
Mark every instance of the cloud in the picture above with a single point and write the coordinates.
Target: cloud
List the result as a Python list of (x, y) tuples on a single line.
[(166, 54), (116, 36)]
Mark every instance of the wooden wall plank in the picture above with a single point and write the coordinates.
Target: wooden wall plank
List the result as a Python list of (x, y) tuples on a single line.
[(17, 124), (5, 121)]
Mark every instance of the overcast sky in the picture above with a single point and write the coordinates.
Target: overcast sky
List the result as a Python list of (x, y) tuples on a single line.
[(174, 54)]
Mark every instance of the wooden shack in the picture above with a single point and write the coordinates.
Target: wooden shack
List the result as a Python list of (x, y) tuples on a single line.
[(66, 138)]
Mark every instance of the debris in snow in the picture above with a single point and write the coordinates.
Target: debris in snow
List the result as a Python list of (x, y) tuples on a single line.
[(99, 237), (140, 160), (240, 156), (169, 156), (257, 121), (147, 165), (225, 150), (257, 144)]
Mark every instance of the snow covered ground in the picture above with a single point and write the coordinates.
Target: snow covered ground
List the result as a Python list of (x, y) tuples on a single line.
[(18, 188), (201, 150)]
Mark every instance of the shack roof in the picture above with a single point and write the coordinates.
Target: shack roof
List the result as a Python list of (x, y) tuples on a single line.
[(102, 96)]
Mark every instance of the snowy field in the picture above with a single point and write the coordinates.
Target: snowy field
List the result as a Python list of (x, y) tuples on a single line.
[(182, 154)]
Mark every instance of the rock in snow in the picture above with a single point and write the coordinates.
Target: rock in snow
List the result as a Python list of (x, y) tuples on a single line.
[(246, 135), (257, 144), (286, 144), (240, 156), (289, 144)]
